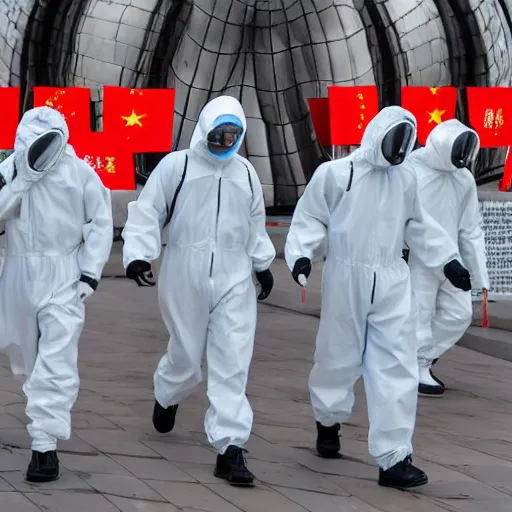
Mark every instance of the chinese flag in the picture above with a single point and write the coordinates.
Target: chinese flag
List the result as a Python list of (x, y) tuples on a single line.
[(142, 118), (490, 114), (113, 164), (350, 111), (319, 108), (430, 105), (73, 103), (10, 100)]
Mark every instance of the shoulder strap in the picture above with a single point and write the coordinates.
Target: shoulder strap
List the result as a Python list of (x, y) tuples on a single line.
[(170, 211), (250, 179)]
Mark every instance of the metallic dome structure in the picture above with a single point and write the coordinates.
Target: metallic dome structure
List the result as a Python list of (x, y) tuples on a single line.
[(271, 54)]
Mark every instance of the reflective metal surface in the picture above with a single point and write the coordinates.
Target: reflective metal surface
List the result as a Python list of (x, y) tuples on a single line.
[(272, 55)]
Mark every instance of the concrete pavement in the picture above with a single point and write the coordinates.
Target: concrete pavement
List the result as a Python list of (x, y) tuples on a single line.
[(116, 462)]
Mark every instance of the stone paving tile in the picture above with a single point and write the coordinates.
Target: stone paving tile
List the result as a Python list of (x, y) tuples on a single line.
[(130, 505), (87, 464), (127, 486), (61, 501), (315, 501), (68, 481), (195, 497), (15, 502), (463, 440), (117, 442), (153, 469)]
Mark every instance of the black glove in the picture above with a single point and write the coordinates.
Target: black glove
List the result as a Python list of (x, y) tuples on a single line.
[(140, 272), (302, 266), (266, 280), (458, 275)]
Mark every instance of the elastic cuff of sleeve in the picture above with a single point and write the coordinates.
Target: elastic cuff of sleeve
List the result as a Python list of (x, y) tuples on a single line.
[(93, 283)]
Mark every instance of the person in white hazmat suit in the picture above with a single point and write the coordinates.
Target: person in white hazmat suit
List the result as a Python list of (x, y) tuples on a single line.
[(210, 202), (447, 191), (366, 204), (58, 222)]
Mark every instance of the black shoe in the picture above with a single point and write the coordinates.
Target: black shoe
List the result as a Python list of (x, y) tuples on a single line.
[(403, 475), (429, 384), (44, 467), (232, 467), (328, 441), (164, 419)]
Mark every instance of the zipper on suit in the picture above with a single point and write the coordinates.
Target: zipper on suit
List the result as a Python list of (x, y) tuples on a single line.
[(216, 226), (373, 287)]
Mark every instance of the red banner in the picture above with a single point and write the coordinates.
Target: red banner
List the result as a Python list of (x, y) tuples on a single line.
[(10, 100), (430, 105), (112, 162), (351, 109), (490, 114), (73, 103), (319, 108), (142, 118)]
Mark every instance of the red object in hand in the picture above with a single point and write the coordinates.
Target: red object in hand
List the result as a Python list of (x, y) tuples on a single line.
[(303, 295), (485, 320)]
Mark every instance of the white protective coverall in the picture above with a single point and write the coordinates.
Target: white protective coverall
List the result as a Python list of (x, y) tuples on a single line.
[(366, 209), (58, 227), (215, 240), (450, 196)]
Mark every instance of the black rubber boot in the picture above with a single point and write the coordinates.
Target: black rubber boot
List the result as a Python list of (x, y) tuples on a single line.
[(232, 467), (403, 475), (164, 419), (44, 467), (328, 441)]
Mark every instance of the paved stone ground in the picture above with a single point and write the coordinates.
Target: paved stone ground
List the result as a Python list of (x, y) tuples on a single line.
[(116, 462)]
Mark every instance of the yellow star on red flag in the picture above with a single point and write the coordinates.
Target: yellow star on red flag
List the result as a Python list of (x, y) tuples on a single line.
[(436, 116), (434, 90), (133, 119)]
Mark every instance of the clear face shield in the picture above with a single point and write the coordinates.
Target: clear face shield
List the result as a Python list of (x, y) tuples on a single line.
[(396, 143), (224, 139), (45, 151), (464, 150)]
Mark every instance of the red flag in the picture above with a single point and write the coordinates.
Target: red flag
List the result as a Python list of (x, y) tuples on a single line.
[(490, 114), (140, 117), (113, 163), (350, 111), (10, 100), (430, 105), (505, 184), (485, 319), (73, 103), (319, 108)]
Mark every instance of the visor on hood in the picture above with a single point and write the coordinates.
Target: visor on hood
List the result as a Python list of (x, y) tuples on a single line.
[(451, 145), (389, 137), (222, 120)]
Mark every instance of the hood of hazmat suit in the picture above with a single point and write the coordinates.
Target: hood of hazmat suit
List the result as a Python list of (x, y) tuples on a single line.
[(58, 222), (448, 192), (213, 213), (367, 207)]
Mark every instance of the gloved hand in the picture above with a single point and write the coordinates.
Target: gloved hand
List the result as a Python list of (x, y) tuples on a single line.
[(140, 272), (458, 275), (302, 267), (266, 280), (86, 287)]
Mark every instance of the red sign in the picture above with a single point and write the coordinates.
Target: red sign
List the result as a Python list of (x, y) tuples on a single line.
[(140, 120)]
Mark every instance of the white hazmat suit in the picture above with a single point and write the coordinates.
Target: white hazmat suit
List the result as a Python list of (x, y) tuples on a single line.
[(366, 209), (449, 195), (58, 231), (216, 239)]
